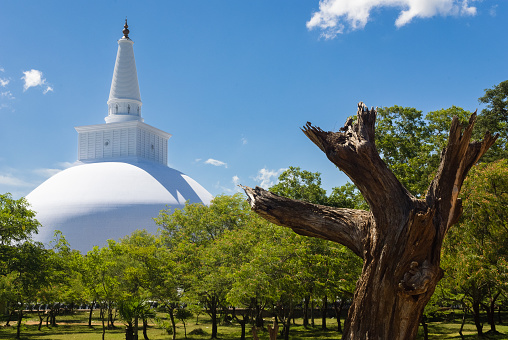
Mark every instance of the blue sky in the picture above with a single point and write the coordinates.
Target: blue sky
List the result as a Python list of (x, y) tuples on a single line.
[(233, 81)]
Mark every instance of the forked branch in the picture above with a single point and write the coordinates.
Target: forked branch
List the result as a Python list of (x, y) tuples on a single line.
[(353, 150), (456, 160), (345, 226)]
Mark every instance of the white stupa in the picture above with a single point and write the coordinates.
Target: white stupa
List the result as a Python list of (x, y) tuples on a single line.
[(121, 179)]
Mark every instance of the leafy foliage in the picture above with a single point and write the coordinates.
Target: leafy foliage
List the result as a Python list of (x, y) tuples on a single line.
[(17, 221)]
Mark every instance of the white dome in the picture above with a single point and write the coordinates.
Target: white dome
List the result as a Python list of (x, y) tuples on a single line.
[(93, 202)]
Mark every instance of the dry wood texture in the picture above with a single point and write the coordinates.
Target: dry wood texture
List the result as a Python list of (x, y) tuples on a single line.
[(399, 239)]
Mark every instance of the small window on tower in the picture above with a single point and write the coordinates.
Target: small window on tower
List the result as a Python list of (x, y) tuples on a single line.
[(116, 108), (129, 108)]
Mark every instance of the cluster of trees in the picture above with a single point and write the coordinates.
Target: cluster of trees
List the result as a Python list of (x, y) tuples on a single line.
[(205, 259), (227, 261)]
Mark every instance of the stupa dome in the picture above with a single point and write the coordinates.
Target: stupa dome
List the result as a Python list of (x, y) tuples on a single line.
[(121, 179), (93, 202)]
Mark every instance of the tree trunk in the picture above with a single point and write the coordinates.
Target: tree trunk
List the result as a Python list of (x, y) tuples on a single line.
[(20, 319), (102, 319), (90, 315), (243, 322), (259, 316), (324, 309), (172, 318), (306, 312), (312, 313), (476, 318), (129, 331), (145, 327), (464, 314), (11, 314), (337, 306), (273, 330), (41, 318), (213, 314), (425, 328), (399, 239), (255, 333), (490, 308), (136, 327)]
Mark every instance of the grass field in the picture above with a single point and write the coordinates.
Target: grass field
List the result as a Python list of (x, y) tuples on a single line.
[(75, 327)]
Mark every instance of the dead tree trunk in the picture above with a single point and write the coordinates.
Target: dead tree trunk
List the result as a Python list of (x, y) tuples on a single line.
[(399, 239)]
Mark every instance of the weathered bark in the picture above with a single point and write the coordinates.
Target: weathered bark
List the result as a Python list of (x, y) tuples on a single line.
[(399, 239)]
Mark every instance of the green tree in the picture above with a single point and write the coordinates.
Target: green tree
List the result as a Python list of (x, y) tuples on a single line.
[(148, 274), (100, 272), (301, 185), (494, 118), (193, 234), (29, 270), (477, 248), (347, 196), (64, 281), (326, 265), (17, 221), (402, 141), (23, 264), (274, 276)]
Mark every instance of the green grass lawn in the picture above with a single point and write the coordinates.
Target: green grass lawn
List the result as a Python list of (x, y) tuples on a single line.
[(76, 327)]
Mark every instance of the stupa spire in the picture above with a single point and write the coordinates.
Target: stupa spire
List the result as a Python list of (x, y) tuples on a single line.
[(125, 30), (124, 101)]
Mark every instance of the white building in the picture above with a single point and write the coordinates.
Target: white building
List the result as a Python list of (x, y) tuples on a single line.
[(121, 179)]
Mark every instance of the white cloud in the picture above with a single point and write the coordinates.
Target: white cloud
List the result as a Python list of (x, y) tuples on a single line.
[(493, 11), (267, 178), (333, 15), (13, 181), (65, 165), (46, 173), (215, 162), (244, 141), (7, 94), (34, 78), (236, 180), (4, 82)]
